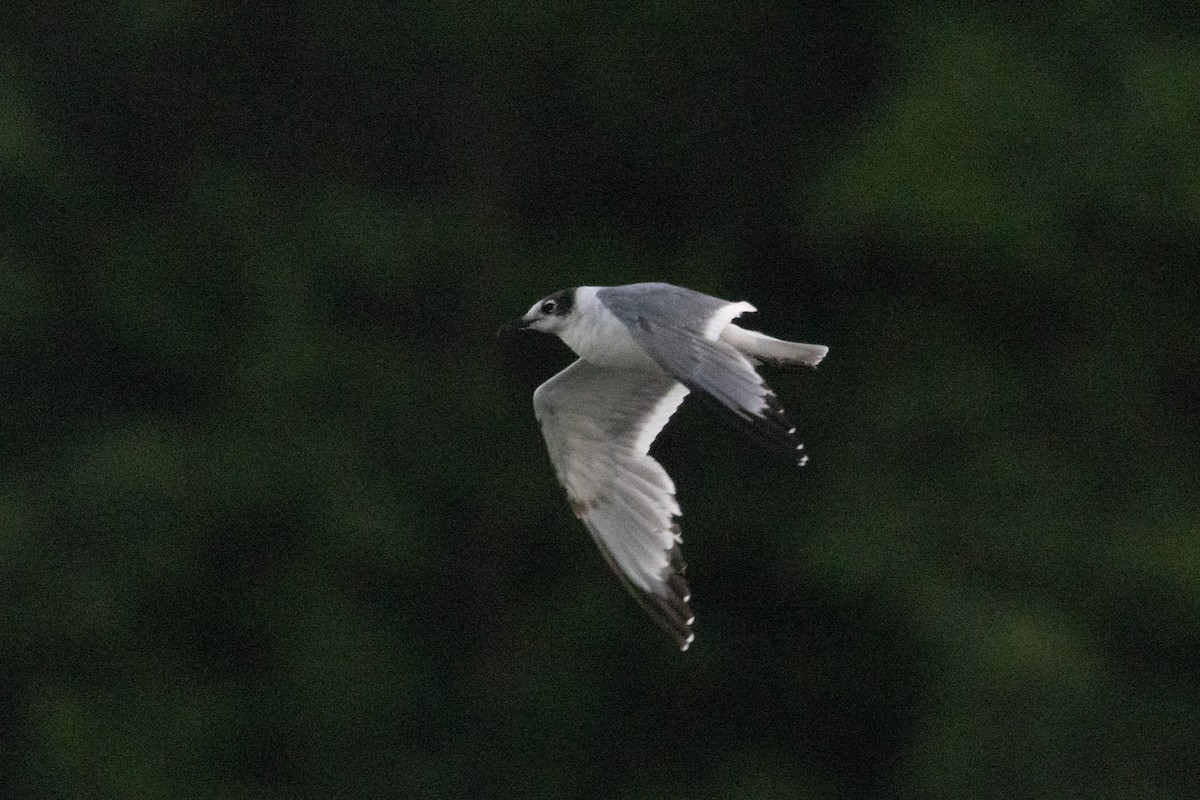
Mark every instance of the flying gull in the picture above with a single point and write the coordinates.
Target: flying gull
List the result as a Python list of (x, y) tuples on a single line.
[(641, 349)]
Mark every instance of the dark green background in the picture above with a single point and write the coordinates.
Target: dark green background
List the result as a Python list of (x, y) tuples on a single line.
[(275, 516)]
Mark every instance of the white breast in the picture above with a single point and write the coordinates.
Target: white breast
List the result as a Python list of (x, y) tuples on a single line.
[(599, 337)]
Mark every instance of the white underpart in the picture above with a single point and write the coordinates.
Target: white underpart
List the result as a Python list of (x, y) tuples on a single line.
[(596, 335)]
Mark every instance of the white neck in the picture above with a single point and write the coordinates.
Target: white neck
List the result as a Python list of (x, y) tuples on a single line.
[(599, 337)]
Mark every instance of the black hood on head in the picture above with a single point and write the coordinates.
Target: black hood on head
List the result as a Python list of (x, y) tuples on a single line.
[(565, 300)]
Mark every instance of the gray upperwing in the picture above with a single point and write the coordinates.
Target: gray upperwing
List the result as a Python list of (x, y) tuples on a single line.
[(674, 326)]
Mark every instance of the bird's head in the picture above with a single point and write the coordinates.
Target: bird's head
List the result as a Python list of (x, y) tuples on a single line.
[(552, 314)]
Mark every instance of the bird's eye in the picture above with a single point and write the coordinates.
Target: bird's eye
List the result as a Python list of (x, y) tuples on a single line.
[(549, 307)]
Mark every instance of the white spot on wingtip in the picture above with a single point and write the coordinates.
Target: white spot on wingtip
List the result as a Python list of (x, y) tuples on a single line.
[(691, 619), (687, 597), (791, 431), (803, 461)]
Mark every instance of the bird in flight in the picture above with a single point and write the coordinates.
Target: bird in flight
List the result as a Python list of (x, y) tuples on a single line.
[(641, 349)]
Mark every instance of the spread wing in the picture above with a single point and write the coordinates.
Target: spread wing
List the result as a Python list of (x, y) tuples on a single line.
[(598, 424), (680, 329)]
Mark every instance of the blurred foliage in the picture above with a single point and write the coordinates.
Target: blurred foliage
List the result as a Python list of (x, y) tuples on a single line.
[(275, 517)]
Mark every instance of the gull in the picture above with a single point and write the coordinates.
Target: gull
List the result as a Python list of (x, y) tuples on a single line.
[(642, 348)]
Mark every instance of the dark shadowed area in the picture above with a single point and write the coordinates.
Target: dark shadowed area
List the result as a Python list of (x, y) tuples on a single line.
[(276, 519)]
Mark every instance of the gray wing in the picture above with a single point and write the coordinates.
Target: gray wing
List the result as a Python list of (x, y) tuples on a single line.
[(598, 424), (680, 329)]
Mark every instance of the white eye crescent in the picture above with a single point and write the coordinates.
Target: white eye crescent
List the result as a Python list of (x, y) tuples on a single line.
[(549, 307)]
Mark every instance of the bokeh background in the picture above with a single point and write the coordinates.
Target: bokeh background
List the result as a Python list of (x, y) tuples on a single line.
[(275, 516)]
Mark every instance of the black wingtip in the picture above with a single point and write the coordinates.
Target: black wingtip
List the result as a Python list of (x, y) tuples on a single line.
[(673, 611), (772, 427), (670, 610)]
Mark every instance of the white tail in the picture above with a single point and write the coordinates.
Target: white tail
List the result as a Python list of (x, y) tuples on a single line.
[(759, 347)]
